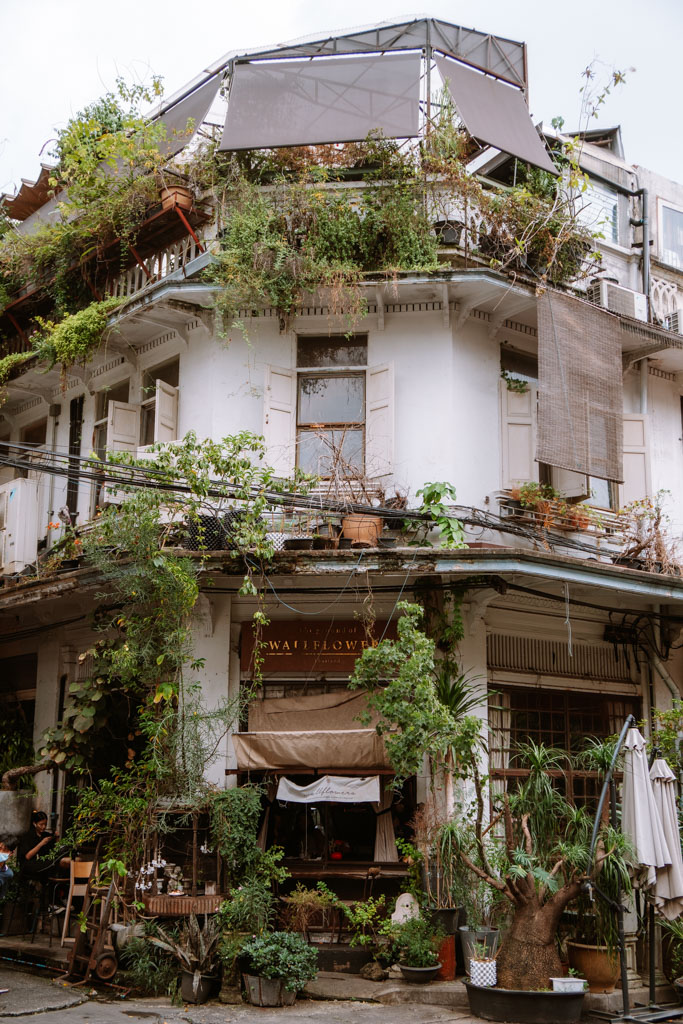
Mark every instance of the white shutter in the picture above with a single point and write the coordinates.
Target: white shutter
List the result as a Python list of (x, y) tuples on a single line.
[(123, 427), (3, 526), (379, 420), (279, 419), (518, 443), (636, 483), (569, 483), (165, 412)]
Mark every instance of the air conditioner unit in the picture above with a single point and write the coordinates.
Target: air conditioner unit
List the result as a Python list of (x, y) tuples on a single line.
[(18, 525), (674, 321), (618, 299)]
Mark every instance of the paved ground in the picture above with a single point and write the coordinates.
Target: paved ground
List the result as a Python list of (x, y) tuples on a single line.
[(36, 996)]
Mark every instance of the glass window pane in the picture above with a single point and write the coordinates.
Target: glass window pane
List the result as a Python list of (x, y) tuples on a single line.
[(601, 493), (336, 399), (328, 453), (317, 351), (672, 236)]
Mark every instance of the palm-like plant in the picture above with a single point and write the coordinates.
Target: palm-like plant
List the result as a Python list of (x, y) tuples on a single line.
[(196, 949)]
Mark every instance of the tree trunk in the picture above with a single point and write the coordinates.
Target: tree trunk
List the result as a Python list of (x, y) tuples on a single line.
[(528, 957), (12, 776)]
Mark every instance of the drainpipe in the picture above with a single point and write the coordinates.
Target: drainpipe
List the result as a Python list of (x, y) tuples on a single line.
[(644, 223), (656, 661), (53, 412)]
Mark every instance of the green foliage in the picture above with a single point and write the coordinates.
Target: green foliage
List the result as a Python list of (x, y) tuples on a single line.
[(669, 732), (16, 740), (251, 907), (147, 968), (195, 948), (285, 243), (370, 925), (304, 904), (76, 338), (434, 496), (416, 943), (235, 815), (282, 955), (399, 679)]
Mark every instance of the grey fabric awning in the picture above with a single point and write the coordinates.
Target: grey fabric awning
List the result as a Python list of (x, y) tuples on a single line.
[(494, 113), (194, 109), (303, 103)]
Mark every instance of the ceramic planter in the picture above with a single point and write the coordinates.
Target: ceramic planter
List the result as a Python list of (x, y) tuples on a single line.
[(522, 1007), (600, 970), (268, 991), (419, 975)]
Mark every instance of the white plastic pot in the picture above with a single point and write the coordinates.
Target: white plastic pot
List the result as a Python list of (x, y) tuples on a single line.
[(568, 984)]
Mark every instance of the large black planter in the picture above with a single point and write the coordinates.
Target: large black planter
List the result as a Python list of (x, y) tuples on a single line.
[(520, 1007), (445, 919)]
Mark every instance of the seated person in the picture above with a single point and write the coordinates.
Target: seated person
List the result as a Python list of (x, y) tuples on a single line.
[(6, 873), (36, 854)]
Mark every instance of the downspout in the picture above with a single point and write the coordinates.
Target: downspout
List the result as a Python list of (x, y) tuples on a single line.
[(53, 412), (644, 223)]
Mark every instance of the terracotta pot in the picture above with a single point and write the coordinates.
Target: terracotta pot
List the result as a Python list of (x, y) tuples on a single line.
[(600, 970), (360, 529), (176, 195)]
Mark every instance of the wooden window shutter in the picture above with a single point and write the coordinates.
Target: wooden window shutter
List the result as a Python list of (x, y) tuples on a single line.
[(123, 427), (379, 420), (279, 419), (518, 442), (165, 412), (569, 483), (636, 483)]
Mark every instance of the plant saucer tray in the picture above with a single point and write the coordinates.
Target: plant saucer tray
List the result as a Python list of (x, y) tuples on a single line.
[(179, 906)]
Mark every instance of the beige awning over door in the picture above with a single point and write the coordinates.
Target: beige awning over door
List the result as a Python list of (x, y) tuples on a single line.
[(328, 750)]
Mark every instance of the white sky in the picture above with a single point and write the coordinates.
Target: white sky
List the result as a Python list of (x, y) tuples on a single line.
[(58, 57)]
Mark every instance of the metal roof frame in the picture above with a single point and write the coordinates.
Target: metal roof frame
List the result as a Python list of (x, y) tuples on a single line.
[(503, 58)]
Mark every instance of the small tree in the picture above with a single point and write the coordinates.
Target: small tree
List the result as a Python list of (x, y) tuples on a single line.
[(539, 864)]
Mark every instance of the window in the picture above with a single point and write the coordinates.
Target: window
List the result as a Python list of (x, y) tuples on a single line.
[(519, 393), (159, 407), (598, 209), (117, 393), (670, 234), (557, 718), (333, 414)]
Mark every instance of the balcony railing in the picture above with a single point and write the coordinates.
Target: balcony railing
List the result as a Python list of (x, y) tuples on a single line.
[(157, 266)]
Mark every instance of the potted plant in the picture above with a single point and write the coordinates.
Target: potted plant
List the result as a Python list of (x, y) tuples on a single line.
[(594, 950), (479, 933), (416, 943), (481, 965), (573, 982), (197, 951), (277, 966)]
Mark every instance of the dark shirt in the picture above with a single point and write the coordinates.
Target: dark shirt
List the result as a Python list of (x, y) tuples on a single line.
[(37, 865)]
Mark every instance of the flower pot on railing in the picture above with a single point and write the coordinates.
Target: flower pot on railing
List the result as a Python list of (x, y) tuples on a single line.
[(362, 529), (173, 196)]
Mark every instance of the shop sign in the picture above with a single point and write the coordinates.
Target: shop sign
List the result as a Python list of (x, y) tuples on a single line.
[(331, 646)]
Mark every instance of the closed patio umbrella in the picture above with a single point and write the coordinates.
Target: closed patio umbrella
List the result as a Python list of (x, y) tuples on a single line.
[(639, 816), (668, 891)]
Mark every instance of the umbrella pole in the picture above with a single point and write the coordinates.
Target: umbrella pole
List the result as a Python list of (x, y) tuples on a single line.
[(651, 952), (620, 914)]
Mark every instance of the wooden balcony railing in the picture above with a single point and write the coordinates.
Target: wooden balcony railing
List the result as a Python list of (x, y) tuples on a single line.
[(156, 267)]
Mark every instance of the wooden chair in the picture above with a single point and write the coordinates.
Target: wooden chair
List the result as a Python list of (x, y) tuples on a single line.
[(79, 873)]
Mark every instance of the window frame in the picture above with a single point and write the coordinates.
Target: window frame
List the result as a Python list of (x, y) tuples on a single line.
[(665, 204), (302, 428)]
